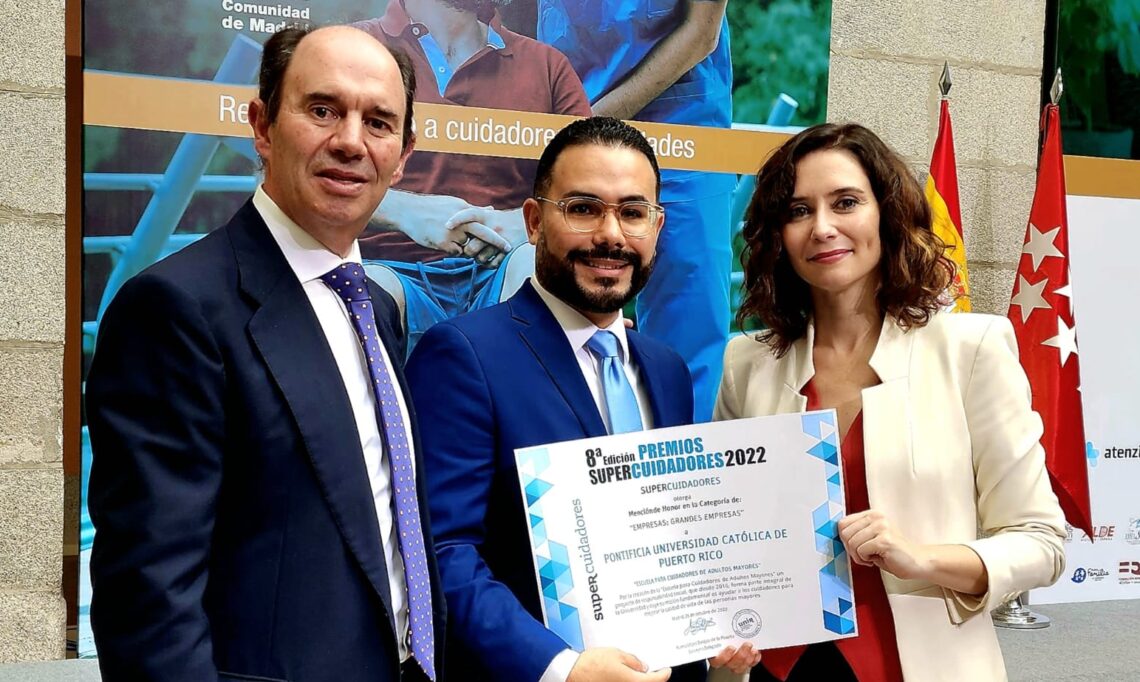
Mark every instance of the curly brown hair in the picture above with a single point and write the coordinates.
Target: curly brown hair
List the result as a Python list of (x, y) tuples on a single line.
[(914, 268)]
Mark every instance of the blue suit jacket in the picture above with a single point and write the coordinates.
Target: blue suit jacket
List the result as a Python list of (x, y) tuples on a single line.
[(236, 534), (484, 384)]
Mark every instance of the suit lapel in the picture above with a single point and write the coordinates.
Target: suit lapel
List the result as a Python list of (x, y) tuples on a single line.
[(797, 369), (887, 417), (286, 332), (394, 339), (546, 340), (653, 383)]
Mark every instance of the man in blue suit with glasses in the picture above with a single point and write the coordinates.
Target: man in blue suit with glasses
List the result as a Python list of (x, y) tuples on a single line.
[(553, 363)]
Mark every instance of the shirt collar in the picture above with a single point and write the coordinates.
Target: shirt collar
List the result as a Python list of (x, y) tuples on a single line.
[(307, 257), (395, 20), (495, 40), (577, 328)]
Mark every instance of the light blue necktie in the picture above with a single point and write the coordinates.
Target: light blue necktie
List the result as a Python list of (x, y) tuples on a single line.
[(621, 403), (350, 285)]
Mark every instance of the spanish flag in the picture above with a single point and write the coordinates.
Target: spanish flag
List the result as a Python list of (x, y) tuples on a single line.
[(942, 194)]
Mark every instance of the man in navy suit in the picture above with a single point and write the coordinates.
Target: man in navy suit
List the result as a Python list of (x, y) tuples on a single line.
[(525, 373), (246, 473)]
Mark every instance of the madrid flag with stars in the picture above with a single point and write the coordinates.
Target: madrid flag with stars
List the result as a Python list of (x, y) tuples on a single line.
[(1041, 310)]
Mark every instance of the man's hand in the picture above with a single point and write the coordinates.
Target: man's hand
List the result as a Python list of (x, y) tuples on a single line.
[(737, 659), (613, 665), (450, 224), (492, 233), (423, 218)]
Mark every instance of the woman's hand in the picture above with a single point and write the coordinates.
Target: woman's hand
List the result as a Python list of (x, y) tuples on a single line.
[(737, 659), (872, 540)]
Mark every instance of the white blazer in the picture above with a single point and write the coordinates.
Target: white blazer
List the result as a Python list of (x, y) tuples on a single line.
[(952, 453)]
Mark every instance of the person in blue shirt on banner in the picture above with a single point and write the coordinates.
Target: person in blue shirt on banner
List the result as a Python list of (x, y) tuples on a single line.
[(666, 61)]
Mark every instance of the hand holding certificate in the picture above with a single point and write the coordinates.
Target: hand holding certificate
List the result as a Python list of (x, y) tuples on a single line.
[(671, 543)]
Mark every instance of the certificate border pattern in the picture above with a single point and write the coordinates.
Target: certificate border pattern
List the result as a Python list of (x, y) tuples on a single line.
[(552, 559), (835, 577)]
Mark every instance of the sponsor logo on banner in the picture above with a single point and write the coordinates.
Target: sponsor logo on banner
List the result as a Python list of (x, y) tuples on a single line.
[(1092, 575), (1100, 533), (1132, 533), (1121, 454), (1128, 572)]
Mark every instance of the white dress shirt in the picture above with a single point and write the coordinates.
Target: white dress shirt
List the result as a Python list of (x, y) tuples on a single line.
[(309, 259), (580, 330)]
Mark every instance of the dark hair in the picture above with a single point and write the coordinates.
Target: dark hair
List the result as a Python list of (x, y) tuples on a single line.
[(275, 57), (408, 78), (914, 270), (601, 130), (278, 53)]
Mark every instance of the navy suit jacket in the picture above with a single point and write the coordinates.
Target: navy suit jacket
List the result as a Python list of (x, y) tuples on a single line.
[(236, 534), (484, 384)]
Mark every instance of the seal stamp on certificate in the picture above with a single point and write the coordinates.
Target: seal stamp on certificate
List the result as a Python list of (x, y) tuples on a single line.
[(746, 623)]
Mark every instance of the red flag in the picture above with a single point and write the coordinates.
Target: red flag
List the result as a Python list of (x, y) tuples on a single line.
[(1041, 310)]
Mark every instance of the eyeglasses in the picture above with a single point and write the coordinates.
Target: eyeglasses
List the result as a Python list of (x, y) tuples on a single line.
[(637, 219)]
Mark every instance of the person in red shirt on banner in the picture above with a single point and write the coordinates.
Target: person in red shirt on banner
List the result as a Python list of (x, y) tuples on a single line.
[(449, 238), (939, 440)]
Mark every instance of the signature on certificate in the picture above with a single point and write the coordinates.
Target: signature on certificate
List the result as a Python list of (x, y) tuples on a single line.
[(699, 624)]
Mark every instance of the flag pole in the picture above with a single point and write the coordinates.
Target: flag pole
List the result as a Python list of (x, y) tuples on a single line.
[(1014, 614)]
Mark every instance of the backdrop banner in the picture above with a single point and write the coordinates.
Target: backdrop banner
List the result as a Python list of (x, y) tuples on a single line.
[(168, 154), (1106, 566)]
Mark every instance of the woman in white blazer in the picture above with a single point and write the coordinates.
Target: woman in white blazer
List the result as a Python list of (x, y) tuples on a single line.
[(842, 267)]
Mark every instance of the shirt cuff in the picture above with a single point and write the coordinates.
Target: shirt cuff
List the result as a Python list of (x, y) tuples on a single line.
[(560, 667)]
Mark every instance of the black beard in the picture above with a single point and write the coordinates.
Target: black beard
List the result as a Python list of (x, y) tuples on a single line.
[(557, 276)]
